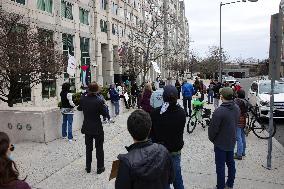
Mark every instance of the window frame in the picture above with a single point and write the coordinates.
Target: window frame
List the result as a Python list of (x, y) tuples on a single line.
[(66, 3), (84, 17)]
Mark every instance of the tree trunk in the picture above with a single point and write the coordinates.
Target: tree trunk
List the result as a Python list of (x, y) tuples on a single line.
[(12, 94)]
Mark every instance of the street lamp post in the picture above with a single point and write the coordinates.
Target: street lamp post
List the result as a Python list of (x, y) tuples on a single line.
[(220, 50)]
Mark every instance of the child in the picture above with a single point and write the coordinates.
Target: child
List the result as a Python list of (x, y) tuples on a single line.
[(106, 119)]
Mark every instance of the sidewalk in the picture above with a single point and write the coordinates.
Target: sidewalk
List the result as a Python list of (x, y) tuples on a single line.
[(59, 164)]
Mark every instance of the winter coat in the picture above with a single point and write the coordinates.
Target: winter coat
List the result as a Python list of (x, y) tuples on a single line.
[(16, 184), (114, 96), (168, 128), (93, 107), (222, 129), (157, 98), (146, 165), (187, 90), (145, 101), (243, 105)]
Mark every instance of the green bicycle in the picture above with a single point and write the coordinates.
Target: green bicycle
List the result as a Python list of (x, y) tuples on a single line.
[(200, 116)]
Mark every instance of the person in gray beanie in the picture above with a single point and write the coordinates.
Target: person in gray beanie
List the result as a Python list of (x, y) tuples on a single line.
[(168, 122)]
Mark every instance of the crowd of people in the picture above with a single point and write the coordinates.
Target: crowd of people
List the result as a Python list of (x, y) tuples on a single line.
[(153, 160)]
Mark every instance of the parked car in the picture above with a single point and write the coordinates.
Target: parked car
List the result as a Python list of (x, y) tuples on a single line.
[(230, 80), (259, 96)]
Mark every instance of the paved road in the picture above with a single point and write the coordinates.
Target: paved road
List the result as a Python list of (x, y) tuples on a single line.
[(246, 83)]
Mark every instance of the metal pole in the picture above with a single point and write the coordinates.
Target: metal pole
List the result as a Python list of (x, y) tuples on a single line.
[(220, 50)]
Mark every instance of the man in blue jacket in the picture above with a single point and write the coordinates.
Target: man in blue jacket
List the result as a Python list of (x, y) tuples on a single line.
[(187, 93)]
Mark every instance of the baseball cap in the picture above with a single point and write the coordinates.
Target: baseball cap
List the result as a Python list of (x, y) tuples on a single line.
[(170, 92), (227, 93)]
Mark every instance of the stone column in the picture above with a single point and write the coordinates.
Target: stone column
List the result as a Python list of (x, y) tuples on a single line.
[(77, 55), (98, 58)]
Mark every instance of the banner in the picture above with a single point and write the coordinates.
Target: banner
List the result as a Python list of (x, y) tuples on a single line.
[(156, 67), (71, 68)]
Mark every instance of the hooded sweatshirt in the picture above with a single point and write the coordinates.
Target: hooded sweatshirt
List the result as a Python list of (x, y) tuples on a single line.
[(146, 165), (222, 130)]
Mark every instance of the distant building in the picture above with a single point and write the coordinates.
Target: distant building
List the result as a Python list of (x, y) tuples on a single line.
[(281, 8)]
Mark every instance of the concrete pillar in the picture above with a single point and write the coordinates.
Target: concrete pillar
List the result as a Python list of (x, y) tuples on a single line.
[(77, 55), (98, 58), (108, 72)]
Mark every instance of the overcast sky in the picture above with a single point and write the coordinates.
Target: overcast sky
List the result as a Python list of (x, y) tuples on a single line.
[(245, 26)]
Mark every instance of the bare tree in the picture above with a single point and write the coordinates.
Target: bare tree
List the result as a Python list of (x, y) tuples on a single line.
[(210, 64), (27, 57), (149, 39)]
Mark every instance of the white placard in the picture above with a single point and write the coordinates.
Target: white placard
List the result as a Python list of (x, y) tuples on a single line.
[(71, 68)]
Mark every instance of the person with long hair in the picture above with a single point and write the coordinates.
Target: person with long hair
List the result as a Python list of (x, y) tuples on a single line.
[(9, 174), (67, 111), (145, 99)]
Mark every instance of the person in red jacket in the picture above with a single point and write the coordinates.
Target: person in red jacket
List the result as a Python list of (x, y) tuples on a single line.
[(9, 174)]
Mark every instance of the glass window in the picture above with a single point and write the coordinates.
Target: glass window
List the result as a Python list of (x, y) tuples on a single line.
[(85, 61), (84, 16), (23, 2), (68, 48), (49, 88), (45, 5), (103, 4), (103, 25), (66, 10), (24, 91)]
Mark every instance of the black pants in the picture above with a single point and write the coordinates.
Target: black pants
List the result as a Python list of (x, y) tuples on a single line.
[(187, 105), (99, 141)]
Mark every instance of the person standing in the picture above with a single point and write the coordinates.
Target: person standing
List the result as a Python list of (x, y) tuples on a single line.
[(136, 170), (114, 98), (145, 99), (241, 137), (216, 97), (187, 93), (168, 124), (93, 107), (9, 174), (134, 94), (157, 97), (210, 92), (178, 86), (222, 133), (67, 110), (202, 90)]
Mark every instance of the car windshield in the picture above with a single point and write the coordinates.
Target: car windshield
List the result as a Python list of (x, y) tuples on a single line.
[(264, 88)]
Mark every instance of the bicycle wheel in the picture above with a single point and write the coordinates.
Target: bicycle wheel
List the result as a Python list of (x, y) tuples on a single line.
[(191, 124), (261, 130)]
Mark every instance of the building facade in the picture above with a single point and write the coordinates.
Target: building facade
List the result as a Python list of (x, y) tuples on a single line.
[(92, 31)]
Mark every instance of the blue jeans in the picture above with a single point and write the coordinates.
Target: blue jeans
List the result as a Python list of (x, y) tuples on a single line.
[(67, 122), (241, 142), (116, 107), (222, 157), (210, 96), (178, 182)]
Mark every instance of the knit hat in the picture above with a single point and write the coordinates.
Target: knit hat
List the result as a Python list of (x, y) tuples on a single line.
[(170, 93), (227, 93)]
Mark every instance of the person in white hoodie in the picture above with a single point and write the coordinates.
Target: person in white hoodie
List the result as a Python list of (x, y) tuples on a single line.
[(156, 99)]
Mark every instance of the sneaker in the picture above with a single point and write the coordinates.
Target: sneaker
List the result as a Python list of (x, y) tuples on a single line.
[(101, 170), (64, 138), (238, 157), (105, 122), (70, 140)]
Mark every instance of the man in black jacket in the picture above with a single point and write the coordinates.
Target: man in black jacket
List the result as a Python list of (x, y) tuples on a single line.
[(222, 133), (168, 124), (92, 107), (146, 165)]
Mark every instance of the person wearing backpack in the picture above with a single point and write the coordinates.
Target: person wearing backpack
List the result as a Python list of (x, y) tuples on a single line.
[(187, 93), (240, 133)]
